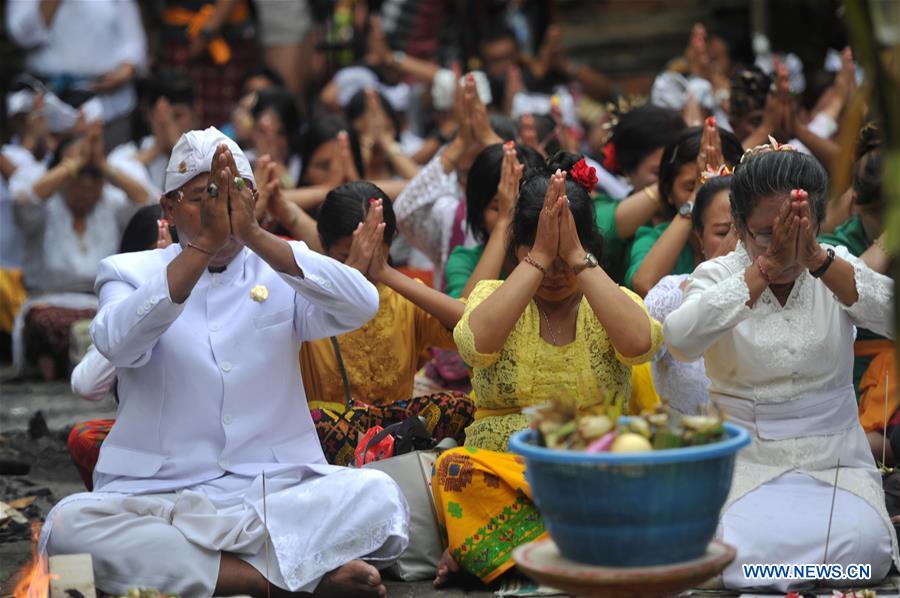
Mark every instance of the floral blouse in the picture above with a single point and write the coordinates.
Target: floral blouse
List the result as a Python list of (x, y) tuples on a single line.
[(381, 358), (529, 371)]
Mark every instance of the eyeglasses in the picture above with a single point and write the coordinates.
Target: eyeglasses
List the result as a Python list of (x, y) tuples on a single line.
[(762, 239)]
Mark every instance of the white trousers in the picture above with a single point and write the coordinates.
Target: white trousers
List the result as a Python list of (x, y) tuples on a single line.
[(786, 521), (173, 542)]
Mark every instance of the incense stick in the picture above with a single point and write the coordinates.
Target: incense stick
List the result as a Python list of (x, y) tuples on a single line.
[(266, 538), (831, 513), (884, 431)]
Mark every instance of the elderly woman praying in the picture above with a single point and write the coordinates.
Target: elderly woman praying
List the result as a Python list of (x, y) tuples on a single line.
[(774, 321)]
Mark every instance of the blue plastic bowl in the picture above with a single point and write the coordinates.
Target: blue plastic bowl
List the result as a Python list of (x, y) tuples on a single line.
[(631, 509)]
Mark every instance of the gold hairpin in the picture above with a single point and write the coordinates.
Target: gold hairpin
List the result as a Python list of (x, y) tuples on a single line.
[(711, 173), (622, 106), (772, 146)]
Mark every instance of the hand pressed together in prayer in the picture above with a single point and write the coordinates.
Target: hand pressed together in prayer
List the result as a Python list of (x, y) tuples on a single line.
[(546, 239), (781, 254), (510, 178), (215, 220), (368, 235), (709, 158), (809, 253)]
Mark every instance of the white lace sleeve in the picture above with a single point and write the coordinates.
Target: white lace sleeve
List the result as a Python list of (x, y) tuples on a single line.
[(422, 209), (715, 300), (662, 300), (874, 308), (665, 297)]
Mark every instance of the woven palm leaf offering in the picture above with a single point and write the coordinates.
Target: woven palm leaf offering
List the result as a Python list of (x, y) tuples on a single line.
[(561, 425)]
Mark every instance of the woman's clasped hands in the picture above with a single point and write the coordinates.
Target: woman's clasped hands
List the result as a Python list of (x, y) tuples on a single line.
[(557, 235), (793, 241)]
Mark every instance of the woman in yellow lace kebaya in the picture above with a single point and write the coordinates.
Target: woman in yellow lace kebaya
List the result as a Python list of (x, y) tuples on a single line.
[(558, 326), (365, 378)]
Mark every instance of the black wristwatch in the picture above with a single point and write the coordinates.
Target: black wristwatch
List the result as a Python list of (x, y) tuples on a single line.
[(829, 258), (686, 209)]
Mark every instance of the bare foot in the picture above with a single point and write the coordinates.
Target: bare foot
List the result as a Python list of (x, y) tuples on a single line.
[(356, 578), (447, 568), (47, 365)]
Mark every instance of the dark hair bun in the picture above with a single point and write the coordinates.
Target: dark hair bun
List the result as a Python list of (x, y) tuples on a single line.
[(563, 161)]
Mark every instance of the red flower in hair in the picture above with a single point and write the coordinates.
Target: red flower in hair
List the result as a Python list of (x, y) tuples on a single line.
[(585, 175), (609, 158)]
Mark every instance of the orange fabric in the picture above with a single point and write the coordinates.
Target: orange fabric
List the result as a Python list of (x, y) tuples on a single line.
[(84, 444), (12, 296), (218, 48), (883, 369)]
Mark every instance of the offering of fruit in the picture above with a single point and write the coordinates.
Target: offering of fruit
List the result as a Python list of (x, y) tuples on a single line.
[(561, 425)]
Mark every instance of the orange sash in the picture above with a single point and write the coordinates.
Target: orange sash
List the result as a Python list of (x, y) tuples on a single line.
[(882, 370), (218, 48)]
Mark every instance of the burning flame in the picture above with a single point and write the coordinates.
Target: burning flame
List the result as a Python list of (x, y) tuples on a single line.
[(34, 580)]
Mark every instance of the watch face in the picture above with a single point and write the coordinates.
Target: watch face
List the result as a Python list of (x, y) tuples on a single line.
[(686, 209), (591, 260)]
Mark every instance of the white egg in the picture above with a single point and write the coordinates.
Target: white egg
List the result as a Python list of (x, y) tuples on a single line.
[(630, 443)]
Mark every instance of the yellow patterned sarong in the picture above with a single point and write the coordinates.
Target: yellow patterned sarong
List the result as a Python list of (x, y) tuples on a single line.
[(12, 296), (484, 506)]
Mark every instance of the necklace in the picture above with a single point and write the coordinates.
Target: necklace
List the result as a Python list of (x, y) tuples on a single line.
[(543, 313), (549, 328)]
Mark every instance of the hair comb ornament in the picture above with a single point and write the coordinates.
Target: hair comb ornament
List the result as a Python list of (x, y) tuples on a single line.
[(622, 106), (772, 146), (711, 173)]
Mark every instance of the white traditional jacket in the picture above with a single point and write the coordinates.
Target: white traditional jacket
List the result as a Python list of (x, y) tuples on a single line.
[(213, 386), (786, 372)]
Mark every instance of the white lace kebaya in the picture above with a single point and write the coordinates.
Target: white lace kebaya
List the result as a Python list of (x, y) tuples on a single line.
[(785, 373), (682, 384)]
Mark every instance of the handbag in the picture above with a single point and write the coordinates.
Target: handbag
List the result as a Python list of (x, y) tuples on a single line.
[(412, 473), (397, 439)]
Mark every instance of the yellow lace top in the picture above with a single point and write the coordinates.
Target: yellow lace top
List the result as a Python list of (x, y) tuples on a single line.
[(529, 371), (381, 358)]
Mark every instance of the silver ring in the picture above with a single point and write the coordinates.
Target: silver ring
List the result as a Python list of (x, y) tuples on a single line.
[(213, 190)]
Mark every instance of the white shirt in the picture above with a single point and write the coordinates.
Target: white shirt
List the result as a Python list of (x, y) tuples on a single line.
[(212, 386), (683, 384), (769, 352), (84, 40), (151, 175), (12, 244), (58, 259), (93, 377), (426, 211)]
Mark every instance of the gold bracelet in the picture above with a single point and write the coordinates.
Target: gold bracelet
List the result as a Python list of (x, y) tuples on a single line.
[(532, 262), (652, 194), (200, 249)]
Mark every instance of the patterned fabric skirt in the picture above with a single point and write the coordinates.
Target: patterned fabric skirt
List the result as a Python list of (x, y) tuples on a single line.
[(48, 331), (218, 86), (446, 415), (84, 446), (485, 507)]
